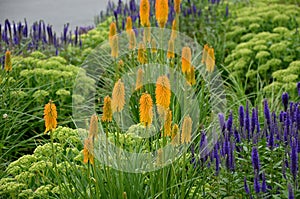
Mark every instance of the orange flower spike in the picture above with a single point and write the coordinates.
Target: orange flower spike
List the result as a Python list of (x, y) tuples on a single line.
[(93, 131), (112, 31), (88, 151), (146, 112), (50, 116), (144, 12), (118, 97), (139, 79), (175, 135), (186, 133), (153, 46), (163, 92), (177, 6), (210, 60), (204, 53), (174, 29), (107, 110), (161, 12), (192, 78), (168, 123), (147, 34), (142, 53), (186, 59), (115, 47), (132, 40), (170, 53), (7, 62), (128, 24)]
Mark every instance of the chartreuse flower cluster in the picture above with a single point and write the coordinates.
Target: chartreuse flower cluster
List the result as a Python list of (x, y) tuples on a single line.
[(30, 176), (263, 42)]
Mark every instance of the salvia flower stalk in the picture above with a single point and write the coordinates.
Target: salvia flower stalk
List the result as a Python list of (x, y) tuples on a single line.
[(255, 159)]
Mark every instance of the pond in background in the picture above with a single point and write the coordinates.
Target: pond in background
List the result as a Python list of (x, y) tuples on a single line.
[(54, 12)]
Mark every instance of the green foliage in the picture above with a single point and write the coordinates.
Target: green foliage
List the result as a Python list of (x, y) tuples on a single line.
[(264, 39), (32, 176)]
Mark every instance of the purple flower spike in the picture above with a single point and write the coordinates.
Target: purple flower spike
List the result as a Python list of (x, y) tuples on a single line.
[(294, 158), (267, 113), (222, 121), (256, 184), (229, 123), (227, 11), (241, 116), (217, 158), (264, 183), (291, 192), (255, 159), (253, 120), (247, 121), (246, 186), (285, 100), (298, 88), (203, 145)]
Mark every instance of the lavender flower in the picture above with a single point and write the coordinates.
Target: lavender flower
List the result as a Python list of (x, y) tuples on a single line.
[(257, 122), (285, 100), (253, 120), (264, 183), (247, 121), (203, 145), (291, 192), (298, 117), (229, 123), (217, 159), (294, 158), (227, 11), (256, 184), (241, 116), (267, 113), (246, 186), (222, 121), (255, 159)]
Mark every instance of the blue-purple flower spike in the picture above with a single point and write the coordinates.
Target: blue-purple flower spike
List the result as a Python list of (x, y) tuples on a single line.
[(246, 186), (264, 183), (255, 159), (267, 113), (229, 123), (291, 192), (285, 100), (241, 116), (256, 184), (294, 158), (298, 88)]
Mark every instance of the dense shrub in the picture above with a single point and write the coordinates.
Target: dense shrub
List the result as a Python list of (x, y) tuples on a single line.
[(263, 45)]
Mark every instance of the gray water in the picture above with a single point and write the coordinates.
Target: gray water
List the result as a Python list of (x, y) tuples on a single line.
[(54, 12)]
